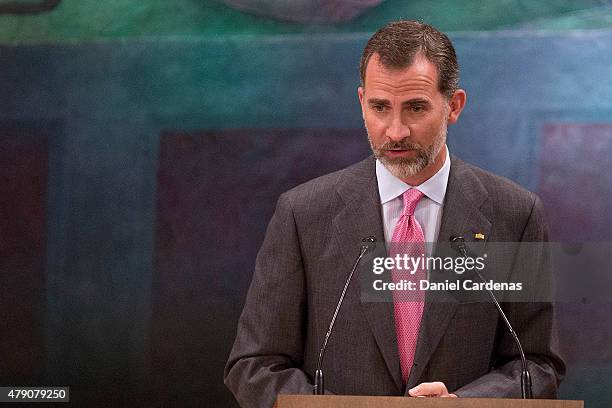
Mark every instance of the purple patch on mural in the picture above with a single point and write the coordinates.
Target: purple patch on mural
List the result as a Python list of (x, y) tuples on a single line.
[(575, 180), (575, 183), (216, 193), (23, 203), (305, 11)]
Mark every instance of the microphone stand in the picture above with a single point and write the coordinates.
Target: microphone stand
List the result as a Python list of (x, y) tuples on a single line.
[(458, 243), (318, 388)]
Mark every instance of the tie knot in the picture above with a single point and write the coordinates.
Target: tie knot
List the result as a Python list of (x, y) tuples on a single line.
[(411, 198)]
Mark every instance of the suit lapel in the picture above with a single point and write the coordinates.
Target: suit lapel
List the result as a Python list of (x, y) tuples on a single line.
[(461, 216), (360, 218)]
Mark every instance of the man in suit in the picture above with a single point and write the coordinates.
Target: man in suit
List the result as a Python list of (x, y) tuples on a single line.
[(409, 93)]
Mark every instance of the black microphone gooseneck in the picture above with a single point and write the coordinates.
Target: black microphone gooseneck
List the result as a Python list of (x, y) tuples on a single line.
[(318, 388), (458, 244)]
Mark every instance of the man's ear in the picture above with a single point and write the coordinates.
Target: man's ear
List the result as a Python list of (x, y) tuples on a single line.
[(360, 93), (456, 105)]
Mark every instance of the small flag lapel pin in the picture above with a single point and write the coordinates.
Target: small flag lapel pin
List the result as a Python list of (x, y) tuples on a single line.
[(479, 236)]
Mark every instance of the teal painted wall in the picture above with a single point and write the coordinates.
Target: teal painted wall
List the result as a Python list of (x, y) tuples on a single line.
[(87, 20)]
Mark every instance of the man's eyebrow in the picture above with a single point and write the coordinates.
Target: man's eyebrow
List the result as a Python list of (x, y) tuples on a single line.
[(416, 101), (411, 102), (378, 101)]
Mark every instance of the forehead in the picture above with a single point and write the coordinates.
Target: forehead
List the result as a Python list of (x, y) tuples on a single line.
[(421, 77)]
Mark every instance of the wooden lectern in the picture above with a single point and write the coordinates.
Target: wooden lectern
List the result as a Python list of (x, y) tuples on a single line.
[(346, 401)]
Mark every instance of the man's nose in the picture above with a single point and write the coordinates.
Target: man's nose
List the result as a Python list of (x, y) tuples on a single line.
[(397, 130)]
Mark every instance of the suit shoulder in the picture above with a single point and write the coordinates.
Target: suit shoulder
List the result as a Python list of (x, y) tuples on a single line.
[(323, 188)]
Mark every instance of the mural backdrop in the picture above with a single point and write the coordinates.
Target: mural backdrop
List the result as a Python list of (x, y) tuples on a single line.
[(143, 146)]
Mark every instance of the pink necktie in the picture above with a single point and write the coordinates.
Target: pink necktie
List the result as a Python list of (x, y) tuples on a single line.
[(408, 238)]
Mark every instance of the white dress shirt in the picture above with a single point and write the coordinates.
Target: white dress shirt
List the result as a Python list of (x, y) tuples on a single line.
[(428, 211)]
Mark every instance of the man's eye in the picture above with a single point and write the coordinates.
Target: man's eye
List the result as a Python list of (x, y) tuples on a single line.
[(417, 108), (378, 108)]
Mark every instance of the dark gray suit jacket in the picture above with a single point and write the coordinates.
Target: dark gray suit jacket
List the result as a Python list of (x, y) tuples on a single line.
[(309, 248)]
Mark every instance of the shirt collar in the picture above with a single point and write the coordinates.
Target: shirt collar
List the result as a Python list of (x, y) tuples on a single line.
[(390, 187)]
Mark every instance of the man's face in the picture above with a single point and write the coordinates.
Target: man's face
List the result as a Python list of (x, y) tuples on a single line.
[(405, 116)]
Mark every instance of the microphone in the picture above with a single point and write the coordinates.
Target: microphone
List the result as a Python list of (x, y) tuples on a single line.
[(368, 243), (458, 244)]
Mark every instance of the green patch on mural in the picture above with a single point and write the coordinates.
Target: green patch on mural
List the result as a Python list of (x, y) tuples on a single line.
[(93, 20)]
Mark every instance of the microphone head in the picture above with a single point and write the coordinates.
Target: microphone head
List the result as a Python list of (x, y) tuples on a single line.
[(368, 243), (457, 242)]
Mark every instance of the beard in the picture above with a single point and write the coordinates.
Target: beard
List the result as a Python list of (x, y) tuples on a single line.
[(406, 167)]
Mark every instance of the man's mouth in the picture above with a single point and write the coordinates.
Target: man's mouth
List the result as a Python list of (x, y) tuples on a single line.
[(397, 152), (402, 149)]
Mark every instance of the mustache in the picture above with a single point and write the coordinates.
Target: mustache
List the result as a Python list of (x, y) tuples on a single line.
[(403, 144)]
